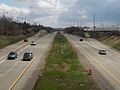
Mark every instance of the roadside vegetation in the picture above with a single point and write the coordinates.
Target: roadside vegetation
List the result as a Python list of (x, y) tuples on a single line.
[(113, 41), (63, 71), (12, 31), (111, 38), (6, 40)]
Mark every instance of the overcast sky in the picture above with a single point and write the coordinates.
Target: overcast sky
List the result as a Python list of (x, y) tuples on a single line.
[(59, 13)]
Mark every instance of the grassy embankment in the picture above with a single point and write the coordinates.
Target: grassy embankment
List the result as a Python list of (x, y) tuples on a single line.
[(8, 40), (63, 70), (112, 41)]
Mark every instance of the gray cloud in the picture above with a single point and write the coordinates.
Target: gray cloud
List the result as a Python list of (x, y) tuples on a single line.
[(57, 12), (106, 11)]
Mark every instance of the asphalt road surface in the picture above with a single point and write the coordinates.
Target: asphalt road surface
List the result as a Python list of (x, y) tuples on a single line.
[(106, 67), (21, 75)]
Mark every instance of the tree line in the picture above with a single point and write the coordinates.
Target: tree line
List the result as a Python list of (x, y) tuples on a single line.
[(8, 26)]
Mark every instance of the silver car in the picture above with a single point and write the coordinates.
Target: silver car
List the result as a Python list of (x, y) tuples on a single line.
[(12, 55)]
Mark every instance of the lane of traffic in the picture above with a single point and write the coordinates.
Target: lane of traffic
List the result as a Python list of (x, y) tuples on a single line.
[(15, 47), (5, 66), (106, 61), (18, 66), (29, 78)]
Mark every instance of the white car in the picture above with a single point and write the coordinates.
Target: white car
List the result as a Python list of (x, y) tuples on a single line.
[(33, 43), (102, 52)]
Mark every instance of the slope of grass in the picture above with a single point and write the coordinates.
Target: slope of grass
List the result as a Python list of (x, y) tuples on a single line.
[(8, 40), (63, 70), (112, 41)]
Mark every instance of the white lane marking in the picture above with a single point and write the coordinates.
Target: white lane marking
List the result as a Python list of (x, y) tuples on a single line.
[(22, 73), (15, 50), (112, 76), (12, 65), (2, 61), (6, 55), (18, 60), (8, 69)]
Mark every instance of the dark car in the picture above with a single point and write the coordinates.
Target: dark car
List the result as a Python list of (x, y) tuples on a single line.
[(102, 52), (12, 55), (25, 40), (81, 39), (27, 56)]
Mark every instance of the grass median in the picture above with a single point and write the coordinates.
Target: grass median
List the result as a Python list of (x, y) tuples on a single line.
[(63, 70)]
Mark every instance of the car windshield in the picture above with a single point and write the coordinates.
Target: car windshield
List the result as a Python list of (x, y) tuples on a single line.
[(27, 54), (12, 53), (103, 50)]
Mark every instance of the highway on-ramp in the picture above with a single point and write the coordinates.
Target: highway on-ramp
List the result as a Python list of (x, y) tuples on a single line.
[(22, 75), (107, 66)]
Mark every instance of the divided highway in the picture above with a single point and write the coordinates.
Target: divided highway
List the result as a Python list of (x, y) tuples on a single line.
[(21, 75), (106, 67)]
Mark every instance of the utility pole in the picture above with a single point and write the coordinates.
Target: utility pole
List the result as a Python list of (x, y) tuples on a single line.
[(78, 24), (94, 17), (81, 23)]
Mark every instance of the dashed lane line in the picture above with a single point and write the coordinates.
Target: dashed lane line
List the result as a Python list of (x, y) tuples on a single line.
[(114, 78)]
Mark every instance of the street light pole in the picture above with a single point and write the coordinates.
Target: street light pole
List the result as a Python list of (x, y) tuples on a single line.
[(94, 17)]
